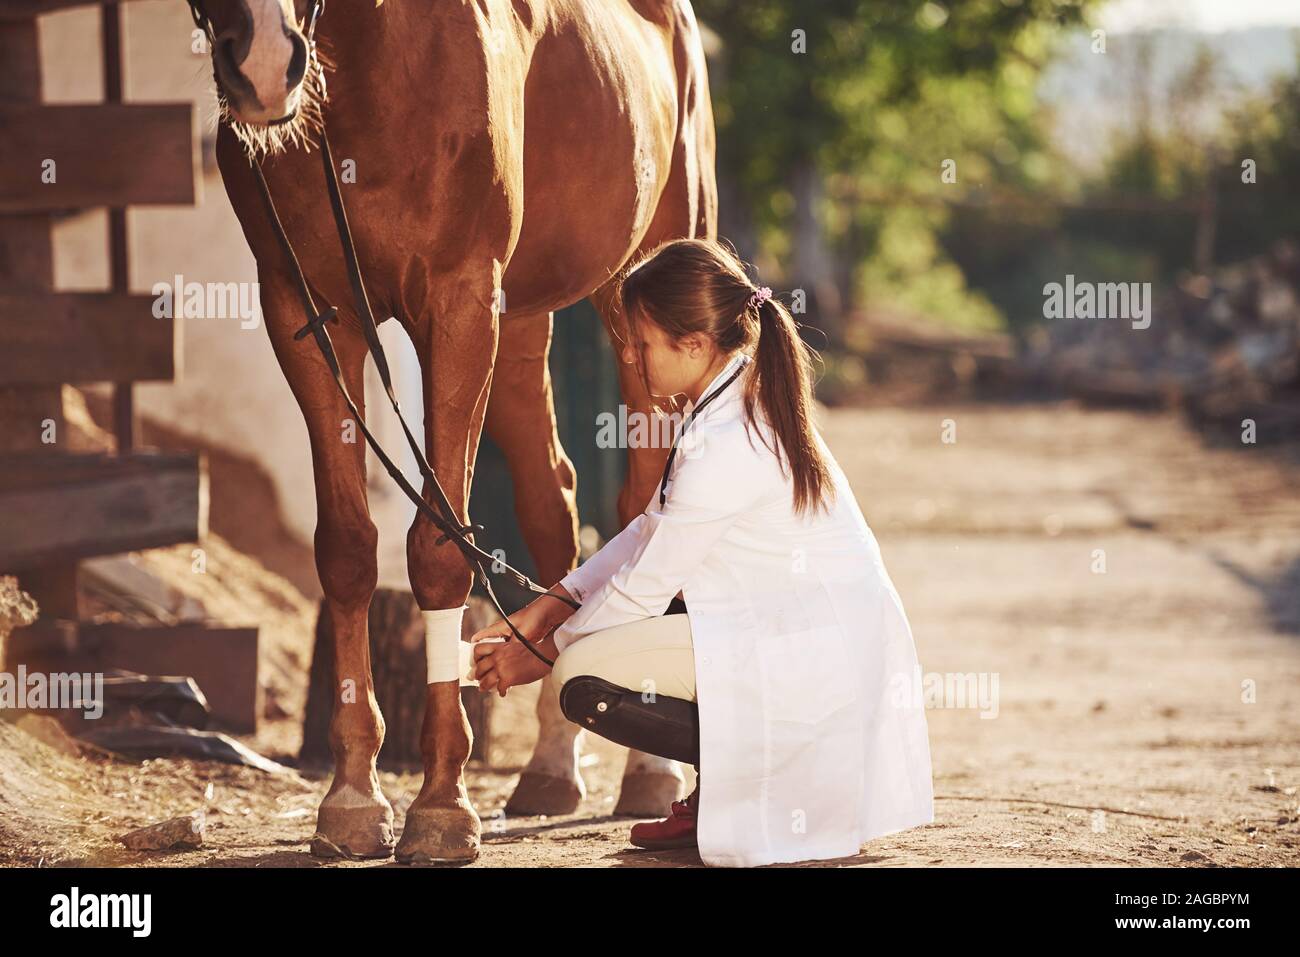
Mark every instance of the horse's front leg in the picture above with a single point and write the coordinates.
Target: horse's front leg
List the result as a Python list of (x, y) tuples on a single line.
[(456, 342), (354, 819)]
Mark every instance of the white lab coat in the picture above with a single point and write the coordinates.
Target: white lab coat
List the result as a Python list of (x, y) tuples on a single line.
[(813, 739)]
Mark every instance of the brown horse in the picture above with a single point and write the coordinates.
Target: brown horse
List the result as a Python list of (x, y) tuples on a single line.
[(510, 157)]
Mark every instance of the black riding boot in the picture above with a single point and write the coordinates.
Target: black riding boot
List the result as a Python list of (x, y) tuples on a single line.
[(668, 727)]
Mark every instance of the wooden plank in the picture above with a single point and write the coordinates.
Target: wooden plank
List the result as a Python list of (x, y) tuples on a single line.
[(26, 252), (106, 154), (56, 589), (27, 264), (56, 507), (20, 62), (124, 424), (84, 337), (221, 660), (30, 417), (27, 9), (36, 471)]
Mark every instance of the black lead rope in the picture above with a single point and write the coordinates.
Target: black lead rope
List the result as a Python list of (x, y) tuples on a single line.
[(686, 424), (443, 516)]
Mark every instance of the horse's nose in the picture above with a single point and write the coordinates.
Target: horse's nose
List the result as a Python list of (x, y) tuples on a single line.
[(298, 62), (260, 72), (226, 54)]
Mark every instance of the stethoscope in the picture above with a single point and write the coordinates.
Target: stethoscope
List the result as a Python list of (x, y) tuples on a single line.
[(686, 423)]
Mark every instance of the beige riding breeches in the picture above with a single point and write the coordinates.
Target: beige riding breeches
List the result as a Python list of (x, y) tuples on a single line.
[(652, 655)]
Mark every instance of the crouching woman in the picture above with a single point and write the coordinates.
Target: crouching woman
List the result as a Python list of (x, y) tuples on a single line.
[(788, 679)]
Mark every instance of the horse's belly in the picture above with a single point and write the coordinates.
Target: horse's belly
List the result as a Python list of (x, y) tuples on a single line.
[(599, 130)]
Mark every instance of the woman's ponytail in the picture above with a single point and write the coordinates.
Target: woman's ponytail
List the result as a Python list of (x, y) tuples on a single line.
[(699, 286), (783, 389)]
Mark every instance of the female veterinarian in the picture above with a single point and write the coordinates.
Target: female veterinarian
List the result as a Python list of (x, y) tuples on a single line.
[(786, 681)]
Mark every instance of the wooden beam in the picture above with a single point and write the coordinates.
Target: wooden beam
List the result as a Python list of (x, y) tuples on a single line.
[(26, 252), (221, 660), (107, 154), (20, 62), (29, 415), (64, 506), (84, 337), (110, 28), (27, 9)]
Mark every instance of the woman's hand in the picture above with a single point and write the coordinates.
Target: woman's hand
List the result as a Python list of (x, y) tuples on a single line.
[(501, 664), (535, 620)]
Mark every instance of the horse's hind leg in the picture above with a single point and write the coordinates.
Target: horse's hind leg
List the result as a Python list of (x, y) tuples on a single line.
[(354, 819), (650, 783), (521, 420)]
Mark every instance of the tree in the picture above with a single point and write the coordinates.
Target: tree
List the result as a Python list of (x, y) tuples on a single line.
[(817, 103)]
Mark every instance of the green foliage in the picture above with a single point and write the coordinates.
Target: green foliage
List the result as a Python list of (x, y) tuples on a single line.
[(883, 95), (887, 93), (1140, 215), (1265, 130)]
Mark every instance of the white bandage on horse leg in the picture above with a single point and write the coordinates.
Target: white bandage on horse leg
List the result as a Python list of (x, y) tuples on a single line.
[(442, 643)]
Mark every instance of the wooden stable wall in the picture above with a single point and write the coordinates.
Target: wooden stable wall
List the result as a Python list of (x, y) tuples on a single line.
[(56, 505)]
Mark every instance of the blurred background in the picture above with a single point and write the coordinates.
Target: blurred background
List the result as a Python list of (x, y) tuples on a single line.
[(1103, 140)]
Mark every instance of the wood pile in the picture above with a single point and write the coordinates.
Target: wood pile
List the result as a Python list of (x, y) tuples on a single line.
[(1224, 348)]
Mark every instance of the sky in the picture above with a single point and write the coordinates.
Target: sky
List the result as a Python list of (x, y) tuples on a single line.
[(1211, 15)]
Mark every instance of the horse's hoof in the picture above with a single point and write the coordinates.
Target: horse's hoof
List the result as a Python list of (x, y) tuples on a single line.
[(544, 794), (648, 795), (440, 835), (353, 829)]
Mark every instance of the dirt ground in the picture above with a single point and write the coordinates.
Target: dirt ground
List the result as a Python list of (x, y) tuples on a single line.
[(1135, 592)]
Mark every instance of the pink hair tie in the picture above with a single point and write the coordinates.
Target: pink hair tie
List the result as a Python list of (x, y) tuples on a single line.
[(761, 295)]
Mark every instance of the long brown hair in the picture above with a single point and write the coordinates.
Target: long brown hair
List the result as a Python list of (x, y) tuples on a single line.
[(699, 286)]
